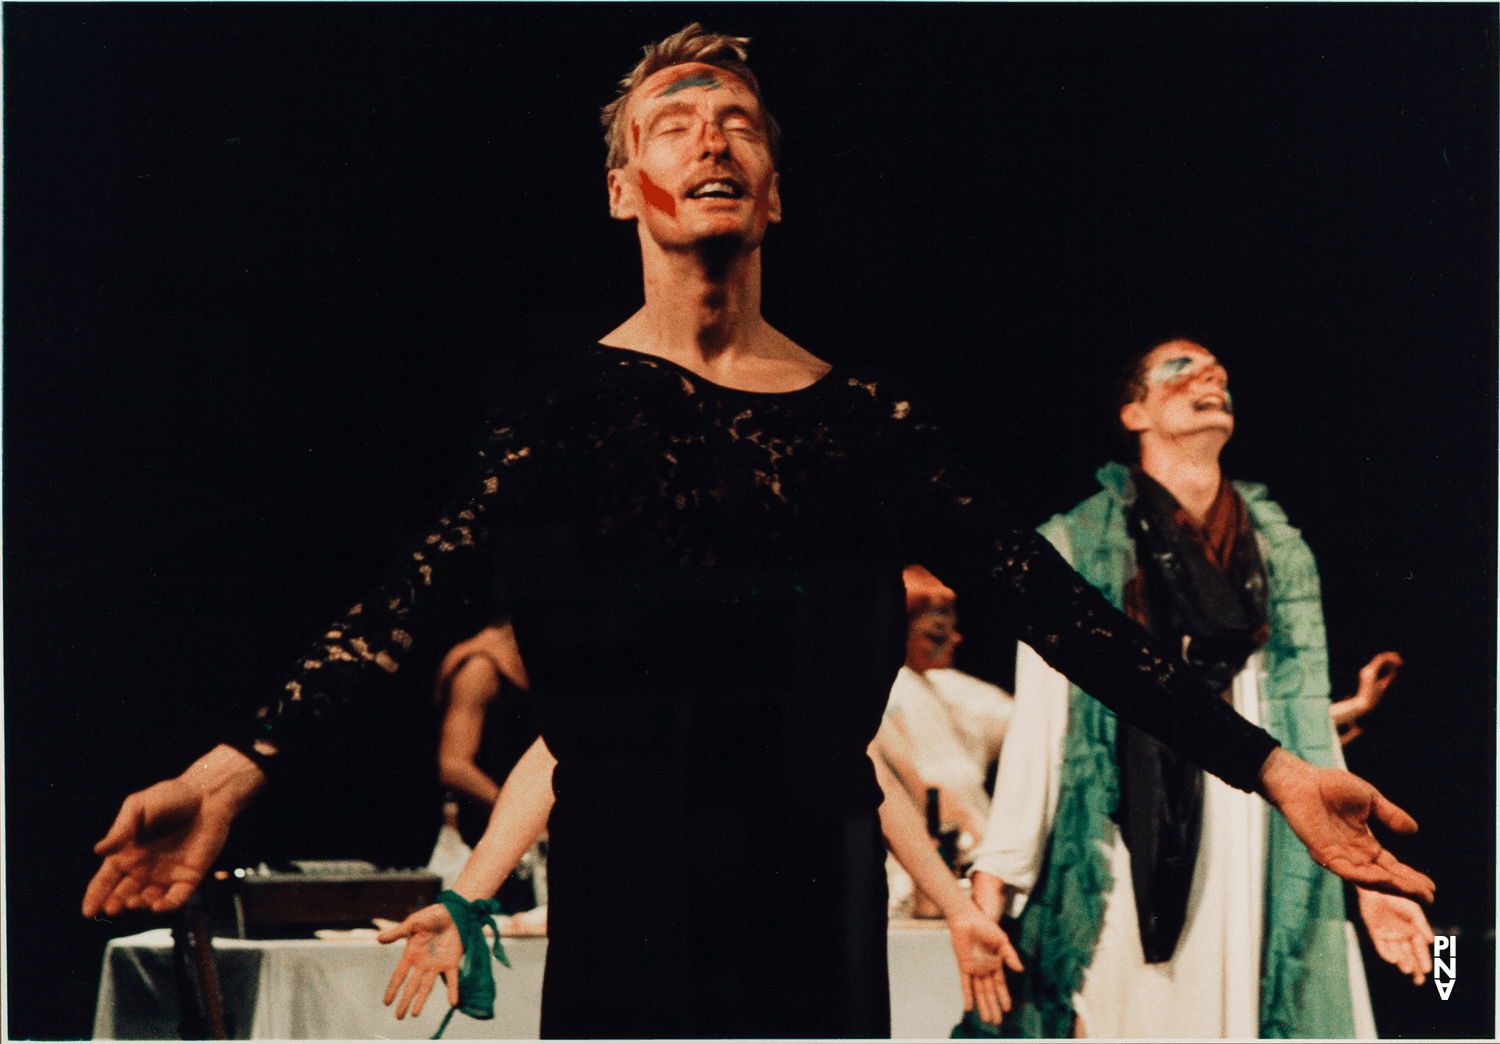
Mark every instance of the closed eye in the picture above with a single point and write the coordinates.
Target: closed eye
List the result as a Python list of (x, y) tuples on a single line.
[(1171, 368)]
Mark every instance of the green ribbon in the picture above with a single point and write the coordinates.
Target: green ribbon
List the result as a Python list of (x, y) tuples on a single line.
[(476, 981)]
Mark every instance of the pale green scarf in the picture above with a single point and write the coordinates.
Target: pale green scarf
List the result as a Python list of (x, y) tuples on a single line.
[(1304, 989)]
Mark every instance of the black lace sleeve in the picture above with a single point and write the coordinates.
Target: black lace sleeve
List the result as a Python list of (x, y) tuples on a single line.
[(954, 524), (437, 595)]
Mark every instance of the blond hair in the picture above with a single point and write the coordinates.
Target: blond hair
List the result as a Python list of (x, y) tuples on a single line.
[(692, 43)]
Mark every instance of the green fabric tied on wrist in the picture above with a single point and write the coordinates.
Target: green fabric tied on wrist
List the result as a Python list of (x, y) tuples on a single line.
[(476, 982)]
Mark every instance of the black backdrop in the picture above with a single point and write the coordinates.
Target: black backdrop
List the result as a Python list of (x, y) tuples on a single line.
[(264, 264)]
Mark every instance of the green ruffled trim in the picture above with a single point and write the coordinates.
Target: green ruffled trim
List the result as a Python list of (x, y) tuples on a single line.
[(1304, 989), (476, 980), (1064, 914)]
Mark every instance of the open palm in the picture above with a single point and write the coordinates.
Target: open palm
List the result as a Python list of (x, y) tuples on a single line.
[(433, 948), (1329, 810), (160, 846), (1400, 932)]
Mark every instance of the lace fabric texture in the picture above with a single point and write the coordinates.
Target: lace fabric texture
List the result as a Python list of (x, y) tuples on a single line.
[(655, 533)]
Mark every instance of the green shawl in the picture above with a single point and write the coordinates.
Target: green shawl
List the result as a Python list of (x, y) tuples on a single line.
[(1304, 988)]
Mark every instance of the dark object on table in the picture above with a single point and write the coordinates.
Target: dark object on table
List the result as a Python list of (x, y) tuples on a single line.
[(944, 833), (197, 973), (275, 904)]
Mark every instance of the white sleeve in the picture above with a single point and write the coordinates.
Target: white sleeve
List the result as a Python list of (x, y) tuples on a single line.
[(1026, 786)]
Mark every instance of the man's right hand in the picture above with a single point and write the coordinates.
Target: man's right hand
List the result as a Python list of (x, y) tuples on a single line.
[(167, 836)]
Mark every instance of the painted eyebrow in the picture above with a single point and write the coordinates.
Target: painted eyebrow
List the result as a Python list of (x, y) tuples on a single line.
[(706, 80), (1171, 367)]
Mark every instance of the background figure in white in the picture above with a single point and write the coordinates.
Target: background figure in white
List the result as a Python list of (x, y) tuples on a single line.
[(942, 729), (1178, 405)]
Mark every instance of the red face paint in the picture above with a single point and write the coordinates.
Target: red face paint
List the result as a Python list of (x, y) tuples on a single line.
[(635, 134), (763, 196), (659, 198)]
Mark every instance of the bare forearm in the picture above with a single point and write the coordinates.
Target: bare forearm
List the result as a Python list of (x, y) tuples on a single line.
[(906, 834), (990, 894), (226, 778), (1280, 769), (519, 817)]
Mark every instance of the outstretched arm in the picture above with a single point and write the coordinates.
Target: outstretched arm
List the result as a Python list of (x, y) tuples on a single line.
[(168, 835), (978, 942), (1329, 811), (957, 527), (433, 947)]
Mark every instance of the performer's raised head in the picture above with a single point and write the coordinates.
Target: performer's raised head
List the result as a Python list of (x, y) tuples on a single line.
[(692, 149), (1175, 398)]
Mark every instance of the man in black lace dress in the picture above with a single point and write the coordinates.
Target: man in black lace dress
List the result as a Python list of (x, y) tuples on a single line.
[(700, 528)]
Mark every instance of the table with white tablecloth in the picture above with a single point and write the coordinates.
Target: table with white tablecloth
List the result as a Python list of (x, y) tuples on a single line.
[(306, 989)]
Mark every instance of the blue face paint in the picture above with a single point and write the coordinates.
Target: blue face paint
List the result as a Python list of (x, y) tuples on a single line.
[(705, 80), (1172, 369), (1166, 371)]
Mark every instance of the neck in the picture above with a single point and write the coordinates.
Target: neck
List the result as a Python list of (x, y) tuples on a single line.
[(702, 306), (1187, 467)]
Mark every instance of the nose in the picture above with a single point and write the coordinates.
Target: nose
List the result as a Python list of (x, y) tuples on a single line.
[(714, 142), (1215, 373)]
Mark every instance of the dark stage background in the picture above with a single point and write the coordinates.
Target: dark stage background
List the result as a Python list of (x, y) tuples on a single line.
[(264, 265)]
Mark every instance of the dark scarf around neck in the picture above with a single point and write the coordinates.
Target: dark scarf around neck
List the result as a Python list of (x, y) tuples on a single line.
[(1201, 590)]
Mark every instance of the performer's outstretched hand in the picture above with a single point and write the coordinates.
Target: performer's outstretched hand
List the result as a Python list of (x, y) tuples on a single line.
[(1329, 811), (433, 948), (983, 951), (168, 835), (1400, 932)]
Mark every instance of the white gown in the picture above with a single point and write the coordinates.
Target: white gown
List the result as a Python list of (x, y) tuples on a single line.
[(1211, 987)]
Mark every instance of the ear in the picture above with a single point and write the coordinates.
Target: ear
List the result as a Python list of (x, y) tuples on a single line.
[(622, 196), (1133, 417), (773, 199)]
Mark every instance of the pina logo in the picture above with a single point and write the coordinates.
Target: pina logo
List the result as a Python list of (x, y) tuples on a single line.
[(1444, 944)]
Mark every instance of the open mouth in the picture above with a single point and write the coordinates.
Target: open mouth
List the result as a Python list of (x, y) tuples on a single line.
[(1213, 402), (719, 188)]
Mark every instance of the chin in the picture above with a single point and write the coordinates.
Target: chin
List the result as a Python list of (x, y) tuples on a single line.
[(1208, 420), (726, 241)]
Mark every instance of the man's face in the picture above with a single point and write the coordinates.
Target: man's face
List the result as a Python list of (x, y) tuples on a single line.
[(1187, 392), (931, 637), (699, 162)]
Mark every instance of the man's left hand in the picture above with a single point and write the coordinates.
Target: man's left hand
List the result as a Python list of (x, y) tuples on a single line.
[(1329, 811)]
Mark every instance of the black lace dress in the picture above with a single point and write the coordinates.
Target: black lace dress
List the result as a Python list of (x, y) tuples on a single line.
[(706, 588)]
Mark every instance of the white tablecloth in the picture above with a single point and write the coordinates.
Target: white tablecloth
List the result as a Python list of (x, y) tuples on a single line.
[(292, 989)]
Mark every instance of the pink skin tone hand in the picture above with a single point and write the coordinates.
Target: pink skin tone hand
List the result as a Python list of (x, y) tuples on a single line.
[(1374, 679)]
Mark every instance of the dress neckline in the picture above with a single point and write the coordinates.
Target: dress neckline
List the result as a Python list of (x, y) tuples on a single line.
[(693, 375)]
